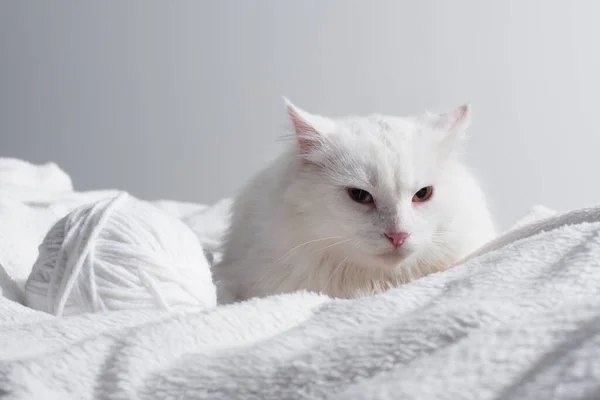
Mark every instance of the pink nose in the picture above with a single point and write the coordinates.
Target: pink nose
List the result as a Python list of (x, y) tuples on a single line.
[(397, 238)]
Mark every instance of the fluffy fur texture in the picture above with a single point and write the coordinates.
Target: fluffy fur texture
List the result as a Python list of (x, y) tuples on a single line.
[(294, 226)]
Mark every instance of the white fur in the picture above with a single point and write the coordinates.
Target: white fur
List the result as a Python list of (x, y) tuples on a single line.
[(295, 227)]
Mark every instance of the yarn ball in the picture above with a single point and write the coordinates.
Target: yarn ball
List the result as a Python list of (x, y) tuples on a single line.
[(119, 253)]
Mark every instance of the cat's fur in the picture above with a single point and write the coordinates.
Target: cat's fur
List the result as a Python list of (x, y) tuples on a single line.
[(294, 226)]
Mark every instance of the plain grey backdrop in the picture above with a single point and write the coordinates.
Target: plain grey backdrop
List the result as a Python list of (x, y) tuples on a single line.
[(182, 99)]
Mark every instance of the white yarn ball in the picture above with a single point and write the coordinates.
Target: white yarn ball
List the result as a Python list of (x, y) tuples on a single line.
[(119, 253)]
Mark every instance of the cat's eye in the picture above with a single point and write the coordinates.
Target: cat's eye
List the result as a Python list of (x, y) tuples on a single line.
[(360, 196), (423, 194)]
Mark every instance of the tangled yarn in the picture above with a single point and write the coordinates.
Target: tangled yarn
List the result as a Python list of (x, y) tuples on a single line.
[(119, 253)]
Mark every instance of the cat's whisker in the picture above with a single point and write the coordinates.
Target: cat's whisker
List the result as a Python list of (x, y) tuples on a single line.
[(276, 263), (286, 138), (332, 274), (262, 278), (331, 245), (309, 242), (304, 244)]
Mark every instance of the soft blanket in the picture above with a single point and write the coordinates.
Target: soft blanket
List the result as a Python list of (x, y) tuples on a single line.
[(520, 319)]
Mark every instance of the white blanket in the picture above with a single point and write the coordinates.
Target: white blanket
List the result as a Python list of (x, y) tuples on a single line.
[(518, 320)]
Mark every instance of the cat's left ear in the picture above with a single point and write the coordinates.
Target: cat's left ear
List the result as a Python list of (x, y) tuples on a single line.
[(454, 125), (455, 121)]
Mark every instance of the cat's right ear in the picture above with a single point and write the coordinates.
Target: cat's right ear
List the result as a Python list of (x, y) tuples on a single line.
[(308, 128)]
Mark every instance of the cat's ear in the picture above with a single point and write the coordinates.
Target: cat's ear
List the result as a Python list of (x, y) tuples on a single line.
[(308, 128), (454, 125), (456, 121)]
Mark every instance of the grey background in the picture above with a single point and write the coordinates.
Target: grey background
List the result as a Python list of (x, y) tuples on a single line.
[(181, 99)]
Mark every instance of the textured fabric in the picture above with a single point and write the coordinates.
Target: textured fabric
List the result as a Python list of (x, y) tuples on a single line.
[(520, 319)]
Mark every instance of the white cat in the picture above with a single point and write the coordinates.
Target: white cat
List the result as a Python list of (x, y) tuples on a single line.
[(356, 206)]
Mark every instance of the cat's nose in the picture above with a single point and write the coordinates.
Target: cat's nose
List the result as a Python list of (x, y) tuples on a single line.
[(397, 238)]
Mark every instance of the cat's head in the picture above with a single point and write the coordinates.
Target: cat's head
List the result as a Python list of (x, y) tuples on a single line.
[(382, 188)]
